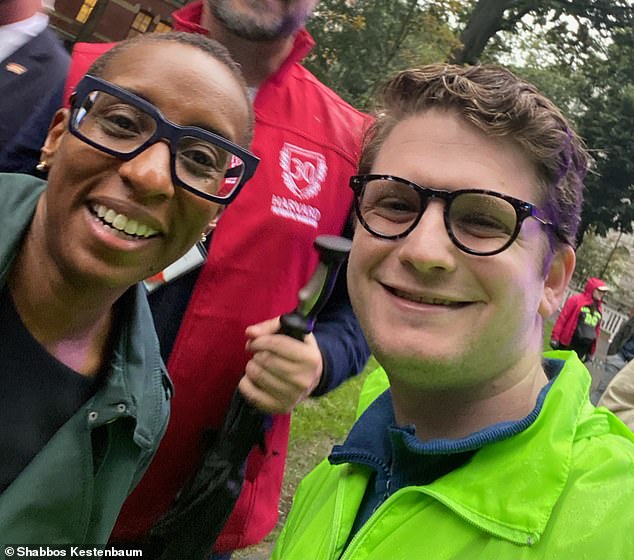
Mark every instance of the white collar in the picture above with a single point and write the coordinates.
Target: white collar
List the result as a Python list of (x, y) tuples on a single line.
[(15, 35)]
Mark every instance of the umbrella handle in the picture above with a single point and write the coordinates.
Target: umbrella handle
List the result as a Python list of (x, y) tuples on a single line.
[(183, 532), (333, 251)]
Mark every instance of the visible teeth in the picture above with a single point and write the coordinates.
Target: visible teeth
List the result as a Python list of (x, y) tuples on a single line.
[(131, 227), (430, 301), (122, 223)]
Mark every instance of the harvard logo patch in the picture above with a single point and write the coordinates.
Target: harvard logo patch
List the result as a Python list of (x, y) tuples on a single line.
[(303, 171)]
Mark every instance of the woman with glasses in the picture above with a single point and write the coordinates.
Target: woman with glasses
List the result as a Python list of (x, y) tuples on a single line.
[(468, 200), (152, 148)]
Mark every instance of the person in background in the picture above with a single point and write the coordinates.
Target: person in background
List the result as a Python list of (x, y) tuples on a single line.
[(135, 174), (33, 69), (619, 395), (468, 201), (579, 323), (620, 353), (260, 256)]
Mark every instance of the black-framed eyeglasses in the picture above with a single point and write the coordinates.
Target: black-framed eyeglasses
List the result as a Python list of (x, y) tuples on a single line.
[(479, 222), (122, 124)]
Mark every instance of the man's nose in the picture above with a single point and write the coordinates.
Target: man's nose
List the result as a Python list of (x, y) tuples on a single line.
[(149, 172), (428, 246)]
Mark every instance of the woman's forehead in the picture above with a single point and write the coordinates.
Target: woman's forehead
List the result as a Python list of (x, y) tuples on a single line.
[(156, 60), (188, 85)]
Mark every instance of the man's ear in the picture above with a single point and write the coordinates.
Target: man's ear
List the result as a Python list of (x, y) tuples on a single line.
[(558, 275), (56, 131)]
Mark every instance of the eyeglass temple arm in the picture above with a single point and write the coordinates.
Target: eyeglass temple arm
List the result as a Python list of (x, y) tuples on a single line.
[(234, 171), (546, 222)]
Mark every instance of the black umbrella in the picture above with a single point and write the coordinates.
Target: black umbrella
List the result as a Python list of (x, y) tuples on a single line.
[(190, 527)]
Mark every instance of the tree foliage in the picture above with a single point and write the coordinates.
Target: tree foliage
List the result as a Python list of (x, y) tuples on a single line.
[(608, 128), (597, 94), (488, 17), (360, 43), (610, 259)]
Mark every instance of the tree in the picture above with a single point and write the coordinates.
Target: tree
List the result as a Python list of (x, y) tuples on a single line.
[(488, 17), (360, 43), (608, 128), (592, 80), (607, 258)]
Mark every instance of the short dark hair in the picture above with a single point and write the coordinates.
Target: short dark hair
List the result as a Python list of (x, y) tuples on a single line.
[(196, 40), (500, 104)]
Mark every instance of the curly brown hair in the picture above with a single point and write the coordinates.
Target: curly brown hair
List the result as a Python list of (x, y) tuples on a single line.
[(499, 104)]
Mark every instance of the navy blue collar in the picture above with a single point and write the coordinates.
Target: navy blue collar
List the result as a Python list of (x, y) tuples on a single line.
[(397, 458), (373, 437)]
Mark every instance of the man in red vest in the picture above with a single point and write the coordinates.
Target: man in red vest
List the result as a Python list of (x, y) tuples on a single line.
[(260, 256)]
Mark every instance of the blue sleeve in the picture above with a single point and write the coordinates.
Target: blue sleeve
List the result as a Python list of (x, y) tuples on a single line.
[(340, 339), (22, 153)]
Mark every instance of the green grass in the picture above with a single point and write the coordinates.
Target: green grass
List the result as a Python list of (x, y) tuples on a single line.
[(316, 426)]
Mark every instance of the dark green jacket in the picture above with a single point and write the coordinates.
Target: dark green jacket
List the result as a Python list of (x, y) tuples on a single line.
[(72, 491)]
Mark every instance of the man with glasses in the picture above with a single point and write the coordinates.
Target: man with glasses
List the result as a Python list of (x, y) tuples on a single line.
[(468, 200)]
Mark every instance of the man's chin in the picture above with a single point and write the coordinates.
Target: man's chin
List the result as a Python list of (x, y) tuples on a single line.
[(245, 27), (252, 28), (430, 369)]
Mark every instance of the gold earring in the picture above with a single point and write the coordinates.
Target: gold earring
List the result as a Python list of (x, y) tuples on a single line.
[(42, 166), (203, 237)]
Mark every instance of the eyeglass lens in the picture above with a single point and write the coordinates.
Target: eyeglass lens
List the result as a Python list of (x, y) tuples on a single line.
[(121, 127), (481, 223)]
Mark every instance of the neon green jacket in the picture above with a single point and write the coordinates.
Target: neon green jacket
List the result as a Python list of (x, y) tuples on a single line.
[(562, 489)]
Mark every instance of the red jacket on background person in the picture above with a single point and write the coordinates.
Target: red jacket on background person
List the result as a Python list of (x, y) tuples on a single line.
[(308, 140), (566, 323)]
